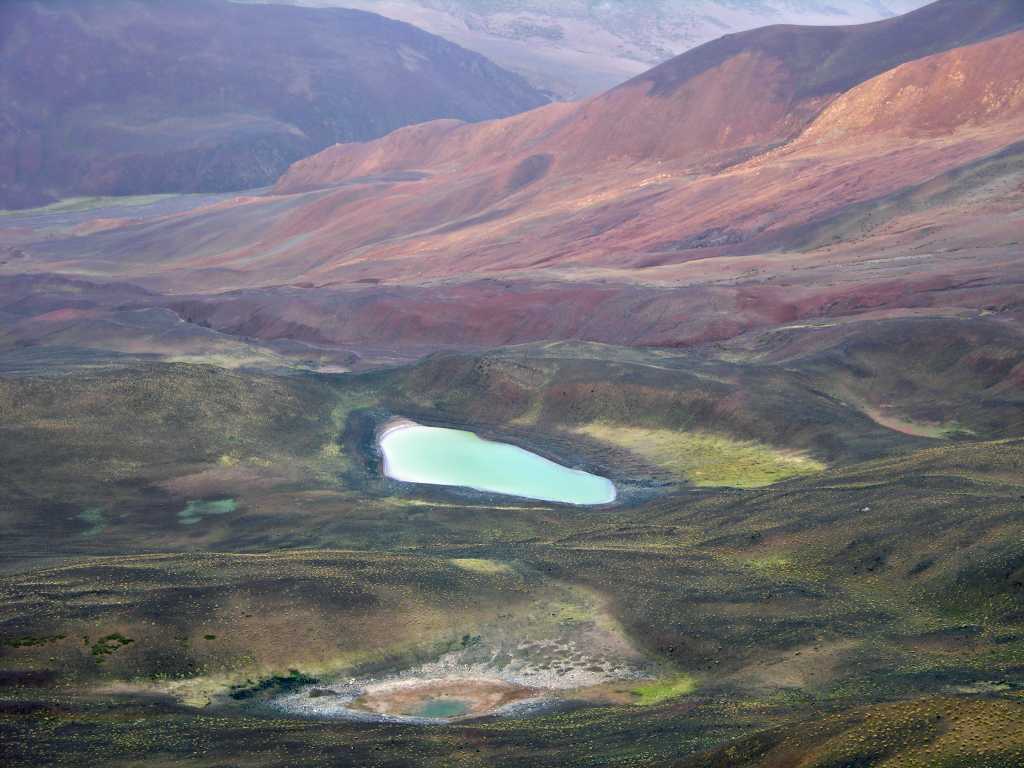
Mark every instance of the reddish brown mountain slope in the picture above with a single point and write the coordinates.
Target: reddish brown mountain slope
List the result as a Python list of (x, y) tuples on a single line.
[(499, 232), (744, 92), (938, 95), (443, 146), (500, 205)]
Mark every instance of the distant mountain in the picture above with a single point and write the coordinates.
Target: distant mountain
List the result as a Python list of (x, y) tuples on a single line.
[(576, 48), (712, 106), (139, 96)]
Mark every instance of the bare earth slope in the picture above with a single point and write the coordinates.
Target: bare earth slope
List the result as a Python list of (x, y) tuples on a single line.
[(133, 96)]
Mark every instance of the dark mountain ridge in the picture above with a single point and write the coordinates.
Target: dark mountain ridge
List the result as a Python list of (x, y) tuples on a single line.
[(830, 59)]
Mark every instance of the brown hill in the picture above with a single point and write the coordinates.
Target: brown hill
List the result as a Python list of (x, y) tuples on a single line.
[(735, 96)]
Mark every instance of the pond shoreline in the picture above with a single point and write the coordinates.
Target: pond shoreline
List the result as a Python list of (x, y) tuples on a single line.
[(455, 458)]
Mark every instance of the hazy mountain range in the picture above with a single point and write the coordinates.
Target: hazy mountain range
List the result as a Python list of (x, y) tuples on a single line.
[(134, 96), (577, 48)]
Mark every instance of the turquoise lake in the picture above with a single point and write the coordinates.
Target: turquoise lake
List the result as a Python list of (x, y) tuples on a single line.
[(438, 456)]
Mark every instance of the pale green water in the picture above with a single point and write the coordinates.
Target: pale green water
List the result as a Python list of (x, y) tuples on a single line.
[(197, 510), (439, 456), (443, 708)]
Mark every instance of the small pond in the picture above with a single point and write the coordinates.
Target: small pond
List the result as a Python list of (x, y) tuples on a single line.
[(436, 456), (413, 700), (443, 708)]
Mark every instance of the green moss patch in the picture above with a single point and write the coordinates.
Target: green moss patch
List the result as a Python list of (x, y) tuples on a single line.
[(109, 644), (273, 685), (31, 642), (659, 691)]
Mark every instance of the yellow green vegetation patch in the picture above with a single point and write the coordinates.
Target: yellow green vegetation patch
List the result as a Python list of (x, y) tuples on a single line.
[(658, 691), (707, 459), (770, 563), (477, 565)]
